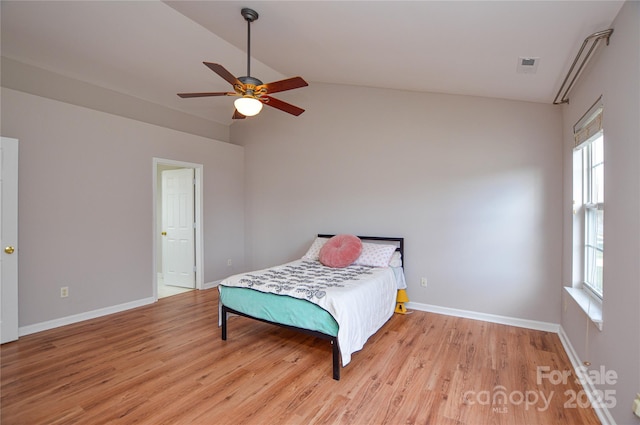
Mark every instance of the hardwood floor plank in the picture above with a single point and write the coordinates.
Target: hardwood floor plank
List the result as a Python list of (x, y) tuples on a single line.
[(166, 364)]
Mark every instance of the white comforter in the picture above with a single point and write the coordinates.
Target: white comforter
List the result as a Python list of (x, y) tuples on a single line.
[(361, 299)]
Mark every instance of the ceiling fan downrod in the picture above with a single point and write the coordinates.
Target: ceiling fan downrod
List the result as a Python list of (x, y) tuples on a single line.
[(249, 15)]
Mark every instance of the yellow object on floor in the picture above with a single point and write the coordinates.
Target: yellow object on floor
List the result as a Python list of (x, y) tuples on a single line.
[(400, 300)]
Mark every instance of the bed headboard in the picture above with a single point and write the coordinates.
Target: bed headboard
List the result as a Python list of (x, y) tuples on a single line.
[(399, 242)]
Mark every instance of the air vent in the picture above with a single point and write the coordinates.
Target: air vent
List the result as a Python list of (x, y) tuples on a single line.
[(527, 65)]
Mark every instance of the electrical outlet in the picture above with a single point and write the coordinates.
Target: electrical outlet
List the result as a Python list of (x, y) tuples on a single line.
[(423, 282), (64, 292), (229, 262)]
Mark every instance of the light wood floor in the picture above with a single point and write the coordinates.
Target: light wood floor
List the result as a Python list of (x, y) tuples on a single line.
[(165, 364)]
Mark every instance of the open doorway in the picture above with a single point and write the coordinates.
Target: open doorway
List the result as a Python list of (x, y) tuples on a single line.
[(177, 224)]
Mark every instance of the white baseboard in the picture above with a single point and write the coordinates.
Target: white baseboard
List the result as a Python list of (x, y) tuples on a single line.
[(568, 348), (486, 317), (63, 321), (209, 285), (601, 411)]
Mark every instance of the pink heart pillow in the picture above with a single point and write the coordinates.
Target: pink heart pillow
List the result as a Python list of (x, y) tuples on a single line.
[(340, 251)]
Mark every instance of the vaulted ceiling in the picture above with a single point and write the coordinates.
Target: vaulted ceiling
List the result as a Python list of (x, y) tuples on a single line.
[(153, 50)]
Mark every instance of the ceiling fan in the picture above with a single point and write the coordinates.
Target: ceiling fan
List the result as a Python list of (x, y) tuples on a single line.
[(251, 92)]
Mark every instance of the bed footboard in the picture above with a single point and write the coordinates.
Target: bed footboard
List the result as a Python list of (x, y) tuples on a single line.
[(333, 339)]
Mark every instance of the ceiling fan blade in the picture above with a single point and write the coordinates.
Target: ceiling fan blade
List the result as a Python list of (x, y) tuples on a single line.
[(221, 71), (282, 85), (186, 95), (283, 106), (238, 116)]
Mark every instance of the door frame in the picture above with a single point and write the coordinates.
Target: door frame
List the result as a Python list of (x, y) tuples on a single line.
[(198, 209)]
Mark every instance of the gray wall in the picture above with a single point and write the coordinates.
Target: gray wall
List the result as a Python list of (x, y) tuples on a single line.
[(30, 79), (614, 75), (473, 184), (85, 204)]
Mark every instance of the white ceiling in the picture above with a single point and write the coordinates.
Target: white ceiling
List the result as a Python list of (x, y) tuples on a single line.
[(153, 50)]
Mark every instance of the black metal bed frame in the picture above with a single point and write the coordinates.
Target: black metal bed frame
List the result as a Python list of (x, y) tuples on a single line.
[(333, 339)]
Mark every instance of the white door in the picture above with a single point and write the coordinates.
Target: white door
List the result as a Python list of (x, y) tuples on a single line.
[(178, 243), (8, 240)]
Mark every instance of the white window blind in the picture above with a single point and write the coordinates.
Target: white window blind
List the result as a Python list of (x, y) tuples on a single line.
[(588, 126)]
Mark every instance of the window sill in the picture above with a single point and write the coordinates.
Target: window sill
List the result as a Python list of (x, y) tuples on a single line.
[(589, 304)]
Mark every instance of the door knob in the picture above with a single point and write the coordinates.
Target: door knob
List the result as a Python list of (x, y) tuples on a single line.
[(164, 233), (9, 250)]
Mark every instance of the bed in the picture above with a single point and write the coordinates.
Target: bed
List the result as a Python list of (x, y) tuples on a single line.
[(344, 305)]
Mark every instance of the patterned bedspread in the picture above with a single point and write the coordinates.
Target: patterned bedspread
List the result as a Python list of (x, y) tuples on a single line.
[(308, 280), (361, 299)]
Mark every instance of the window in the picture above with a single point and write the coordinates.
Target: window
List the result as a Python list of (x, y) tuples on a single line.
[(588, 190), (593, 179)]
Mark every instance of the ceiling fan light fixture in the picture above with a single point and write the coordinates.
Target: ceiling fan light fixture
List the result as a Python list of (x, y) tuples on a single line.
[(248, 106)]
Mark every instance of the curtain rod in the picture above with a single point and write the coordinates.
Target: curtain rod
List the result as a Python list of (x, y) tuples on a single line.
[(595, 40)]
